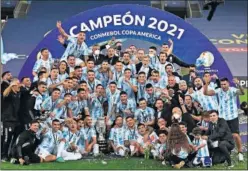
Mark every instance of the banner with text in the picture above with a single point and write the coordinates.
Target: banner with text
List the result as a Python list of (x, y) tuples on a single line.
[(137, 22)]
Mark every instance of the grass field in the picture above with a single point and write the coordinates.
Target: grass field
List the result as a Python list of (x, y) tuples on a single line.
[(122, 164), (244, 97)]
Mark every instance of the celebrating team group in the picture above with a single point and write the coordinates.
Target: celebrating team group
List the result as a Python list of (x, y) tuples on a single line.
[(135, 99)]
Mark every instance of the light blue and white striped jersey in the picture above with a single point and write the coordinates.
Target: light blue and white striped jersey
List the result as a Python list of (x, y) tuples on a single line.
[(84, 73), (152, 138), (132, 67), (71, 138), (104, 77), (154, 61), (152, 98), (121, 107), (77, 106), (82, 137), (161, 69), (49, 105), (90, 133), (116, 75), (112, 99), (92, 85), (228, 109), (131, 134), (162, 83), (202, 152), (50, 82), (141, 91), (144, 116), (61, 112), (124, 86), (42, 63), (73, 48), (38, 102), (207, 102), (64, 91), (50, 141), (96, 109), (117, 136), (62, 77)]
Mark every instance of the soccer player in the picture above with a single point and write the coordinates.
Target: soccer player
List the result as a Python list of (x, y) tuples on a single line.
[(79, 106), (128, 84), (53, 80), (162, 63), (68, 149), (144, 114), (51, 102), (76, 46), (104, 74), (228, 108), (90, 65), (147, 138), (117, 71), (207, 102), (127, 63), (44, 61), (141, 85), (92, 81), (90, 133), (47, 150), (97, 100), (151, 95), (113, 97), (125, 107), (131, 135), (116, 137)]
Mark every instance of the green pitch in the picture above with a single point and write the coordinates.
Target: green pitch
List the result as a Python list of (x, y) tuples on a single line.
[(123, 164), (244, 97)]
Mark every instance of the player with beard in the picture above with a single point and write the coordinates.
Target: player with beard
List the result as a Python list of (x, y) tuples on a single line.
[(116, 137), (76, 46), (151, 95), (127, 63), (141, 85), (79, 105), (82, 142), (90, 65), (47, 150), (128, 84), (113, 97), (97, 100), (92, 81), (91, 134), (125, 107), (207, 102), (162, 63), (104, 74), (63, 70)]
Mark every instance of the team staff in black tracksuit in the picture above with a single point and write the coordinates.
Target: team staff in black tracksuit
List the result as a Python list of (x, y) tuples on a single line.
[(9, 117), (25, 96), (26, 144)]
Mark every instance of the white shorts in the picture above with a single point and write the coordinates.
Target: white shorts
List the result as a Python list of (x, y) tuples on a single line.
[(41, 152)]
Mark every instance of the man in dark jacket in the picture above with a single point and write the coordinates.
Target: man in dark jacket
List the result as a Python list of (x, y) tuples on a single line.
[(111, 57), (220, 138), (25, 146), (6, 78), (96, 56), (144, 66), (25, 96), (9, 117)]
